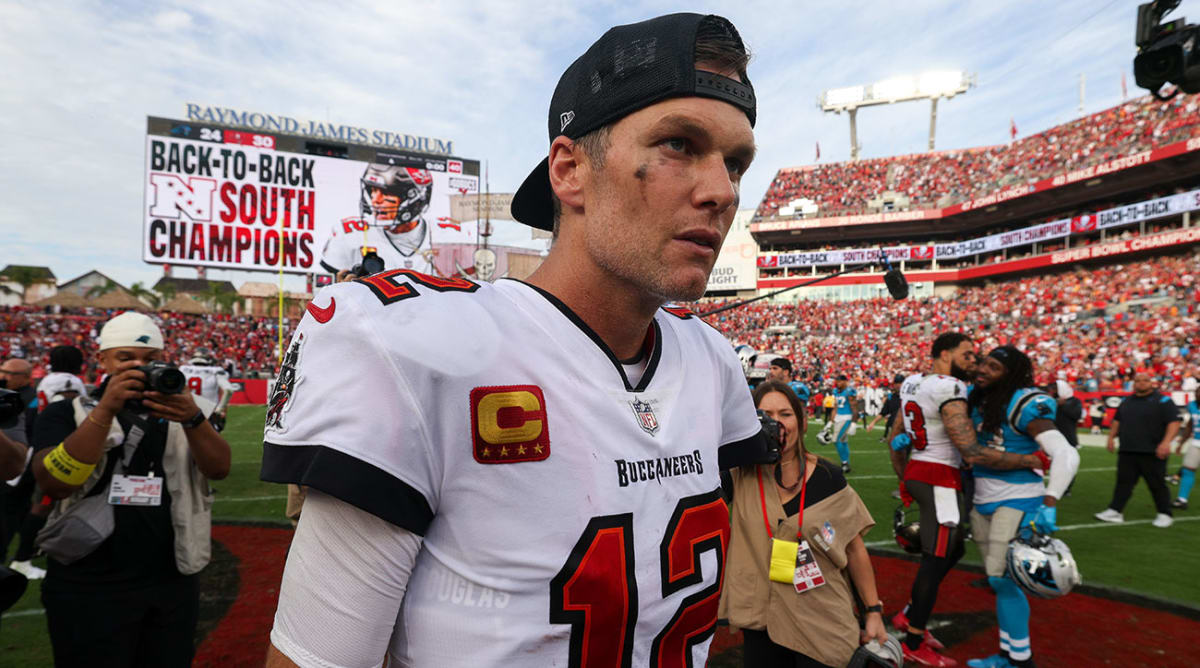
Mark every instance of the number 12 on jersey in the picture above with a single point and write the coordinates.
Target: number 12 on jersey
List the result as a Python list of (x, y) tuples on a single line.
[(596, 590)]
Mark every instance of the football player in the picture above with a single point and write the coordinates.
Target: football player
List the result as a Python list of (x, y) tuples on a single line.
[(1191, 457), (844, 398), (205, 378), (63, 382), (392, 201), (936, 427), (1010, 413), (526, 473)]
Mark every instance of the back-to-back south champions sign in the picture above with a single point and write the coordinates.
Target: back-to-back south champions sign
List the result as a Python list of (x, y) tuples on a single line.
[(317, 130)]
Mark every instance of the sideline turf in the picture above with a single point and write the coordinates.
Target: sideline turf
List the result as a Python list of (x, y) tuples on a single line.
[(1142, 559)]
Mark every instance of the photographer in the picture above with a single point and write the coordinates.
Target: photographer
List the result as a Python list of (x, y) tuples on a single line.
[(131, 469)]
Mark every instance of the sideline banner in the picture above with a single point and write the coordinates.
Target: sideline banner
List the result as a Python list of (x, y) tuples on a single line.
[(1117, 164), (1161, 207)]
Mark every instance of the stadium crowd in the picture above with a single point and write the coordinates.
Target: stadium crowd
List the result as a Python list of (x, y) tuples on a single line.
[(243, 344), (942, 179), (1093, 327)]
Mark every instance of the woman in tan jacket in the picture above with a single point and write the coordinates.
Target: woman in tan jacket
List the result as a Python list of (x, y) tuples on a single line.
[(795, 551)]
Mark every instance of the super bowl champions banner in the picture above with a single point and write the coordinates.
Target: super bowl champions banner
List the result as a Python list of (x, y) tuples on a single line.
[(230, 199), (1121, 216)]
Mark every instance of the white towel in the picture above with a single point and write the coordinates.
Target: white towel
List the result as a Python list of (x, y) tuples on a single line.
[(945, 502)]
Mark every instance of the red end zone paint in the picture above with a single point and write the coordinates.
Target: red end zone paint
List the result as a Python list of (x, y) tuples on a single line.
[(242, 636), (1078, 630)]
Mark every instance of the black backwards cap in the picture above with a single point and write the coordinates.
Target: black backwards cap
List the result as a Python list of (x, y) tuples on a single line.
[(629, 68)]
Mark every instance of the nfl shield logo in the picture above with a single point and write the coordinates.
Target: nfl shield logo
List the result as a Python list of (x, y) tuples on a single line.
[(645, 416)]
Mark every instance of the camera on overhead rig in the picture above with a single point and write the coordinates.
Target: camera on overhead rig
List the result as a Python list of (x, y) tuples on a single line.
[(1167, 52)]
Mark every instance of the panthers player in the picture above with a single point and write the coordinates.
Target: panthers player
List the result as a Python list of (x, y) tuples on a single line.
[(1009, 412), (205, 378), (935, 424), (1191, 456), (393, 201), (843, 426), (526, 474)]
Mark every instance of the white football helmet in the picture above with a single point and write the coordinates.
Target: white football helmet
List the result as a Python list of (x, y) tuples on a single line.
[(1043, 566), (746, 354), (876, 654)]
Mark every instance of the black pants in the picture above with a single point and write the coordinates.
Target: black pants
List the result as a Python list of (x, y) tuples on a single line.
[(758, 651), (149, 627), (1130, 466)]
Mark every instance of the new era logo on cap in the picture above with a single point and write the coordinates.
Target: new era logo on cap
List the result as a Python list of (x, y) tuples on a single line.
[(566, 117)]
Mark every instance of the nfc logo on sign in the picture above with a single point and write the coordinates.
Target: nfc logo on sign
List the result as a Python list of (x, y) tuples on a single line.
[(508, 424)]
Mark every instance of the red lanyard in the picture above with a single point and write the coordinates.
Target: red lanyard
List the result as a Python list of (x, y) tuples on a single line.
[(762, 497)]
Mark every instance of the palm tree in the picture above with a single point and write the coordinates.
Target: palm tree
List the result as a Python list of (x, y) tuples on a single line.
[(225, 301), (24, 277), (219, 299), (166, 291), (140, 291), (99, 290)]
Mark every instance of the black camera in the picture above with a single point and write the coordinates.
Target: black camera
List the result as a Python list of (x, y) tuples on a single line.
[(10, 407), (1167, 52), (163, 377), (160, 377), (371, 264)]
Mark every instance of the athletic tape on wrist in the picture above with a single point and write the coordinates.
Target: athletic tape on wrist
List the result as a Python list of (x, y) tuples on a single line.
[(62, 466)]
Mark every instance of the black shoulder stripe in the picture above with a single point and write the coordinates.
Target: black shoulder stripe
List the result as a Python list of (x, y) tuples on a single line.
[(1016, 411), (352, 480), (950, 401)]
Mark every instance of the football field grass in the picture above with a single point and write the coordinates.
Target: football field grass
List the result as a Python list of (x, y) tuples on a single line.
[(1134, 557)]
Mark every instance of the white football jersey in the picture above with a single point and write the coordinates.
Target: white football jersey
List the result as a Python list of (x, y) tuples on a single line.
[(921, 399), (206, 381), (56, 382), (409, 250), (570, 517)]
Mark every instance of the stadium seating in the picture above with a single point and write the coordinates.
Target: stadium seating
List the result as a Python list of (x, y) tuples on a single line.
[(248, 343), (1094, 327), (941, 179)]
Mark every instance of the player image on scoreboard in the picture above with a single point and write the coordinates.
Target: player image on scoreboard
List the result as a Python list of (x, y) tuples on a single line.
[(393, 202)]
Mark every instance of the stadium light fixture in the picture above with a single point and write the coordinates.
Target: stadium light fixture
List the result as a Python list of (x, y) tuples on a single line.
[(925, 86)]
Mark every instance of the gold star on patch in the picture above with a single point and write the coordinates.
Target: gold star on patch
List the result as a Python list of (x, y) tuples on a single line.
[(503, 452), (537, 449), (487, 453), (520, 449)]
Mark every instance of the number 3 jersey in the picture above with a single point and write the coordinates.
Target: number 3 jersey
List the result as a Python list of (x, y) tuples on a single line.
[(922, 397), (571, 517)]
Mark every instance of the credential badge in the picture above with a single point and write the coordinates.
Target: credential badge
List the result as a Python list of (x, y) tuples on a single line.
[(645, 416)]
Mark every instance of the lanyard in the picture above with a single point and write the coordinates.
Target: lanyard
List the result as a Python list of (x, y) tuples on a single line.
[(762, 497)]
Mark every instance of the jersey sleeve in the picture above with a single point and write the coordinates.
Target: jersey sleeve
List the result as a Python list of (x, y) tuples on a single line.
[(342, 418), (742, 439), (336, 255), (1038, 407), (223, 381), (946, 390)]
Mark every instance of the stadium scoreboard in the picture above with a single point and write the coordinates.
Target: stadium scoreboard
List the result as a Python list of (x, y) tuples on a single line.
[(235, 198)]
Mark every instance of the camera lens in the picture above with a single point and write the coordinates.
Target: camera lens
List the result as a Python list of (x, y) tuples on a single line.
[(169, 381)]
